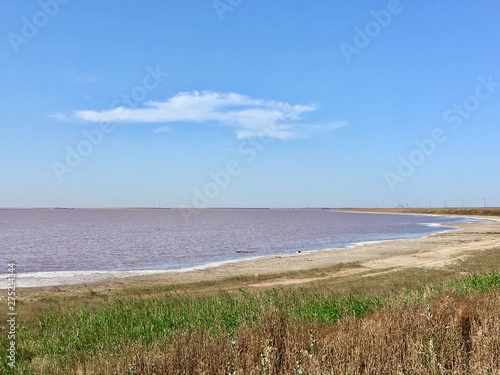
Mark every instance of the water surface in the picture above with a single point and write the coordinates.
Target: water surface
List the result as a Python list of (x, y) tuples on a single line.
[(52, 240)]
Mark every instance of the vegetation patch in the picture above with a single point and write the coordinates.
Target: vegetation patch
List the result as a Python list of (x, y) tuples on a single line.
[(276, 331)]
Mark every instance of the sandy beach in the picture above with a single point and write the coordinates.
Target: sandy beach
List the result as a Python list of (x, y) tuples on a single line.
[(434, 251)]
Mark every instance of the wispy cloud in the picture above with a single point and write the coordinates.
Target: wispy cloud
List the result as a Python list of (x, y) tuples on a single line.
[(59, 116), (249, 116), (162, 129)]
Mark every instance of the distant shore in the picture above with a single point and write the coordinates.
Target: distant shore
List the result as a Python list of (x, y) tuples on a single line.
[(481, 212), (429, 252)]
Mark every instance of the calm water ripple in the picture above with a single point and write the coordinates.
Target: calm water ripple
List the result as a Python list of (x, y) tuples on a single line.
[(49, 240)]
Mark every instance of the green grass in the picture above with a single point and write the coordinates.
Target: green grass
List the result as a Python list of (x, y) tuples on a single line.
[(120, 323), (116, 324), (476, 283)]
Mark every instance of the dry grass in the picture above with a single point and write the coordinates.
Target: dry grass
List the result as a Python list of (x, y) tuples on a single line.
[(450, 328), (452, 335)]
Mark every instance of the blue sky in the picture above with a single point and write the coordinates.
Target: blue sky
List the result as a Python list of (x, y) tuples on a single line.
[(249, 103)]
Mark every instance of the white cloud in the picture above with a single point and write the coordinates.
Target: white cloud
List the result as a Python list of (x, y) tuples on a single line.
[(249, 116), (59, 116), (162, 129)]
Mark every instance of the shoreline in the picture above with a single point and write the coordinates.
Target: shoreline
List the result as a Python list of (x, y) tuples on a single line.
[(433, 250), (41, 279)]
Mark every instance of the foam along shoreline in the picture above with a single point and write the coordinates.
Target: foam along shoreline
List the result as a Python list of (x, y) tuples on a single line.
[(43, 279), (434, 250), (57, 278)]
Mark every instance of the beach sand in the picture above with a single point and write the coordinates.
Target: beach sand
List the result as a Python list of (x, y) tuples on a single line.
[(434, 251)]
